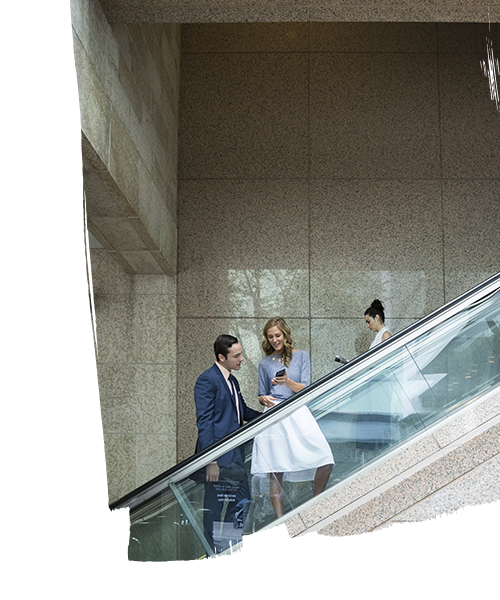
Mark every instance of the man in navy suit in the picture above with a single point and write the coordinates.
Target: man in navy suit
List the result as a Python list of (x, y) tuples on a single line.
[(220, 410)]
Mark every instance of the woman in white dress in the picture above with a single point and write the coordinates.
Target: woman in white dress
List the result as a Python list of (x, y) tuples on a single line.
[(294, 447), (374, 319), (373, 425)]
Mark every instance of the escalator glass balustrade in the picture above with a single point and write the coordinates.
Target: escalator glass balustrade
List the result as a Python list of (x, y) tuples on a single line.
[(365, 409)]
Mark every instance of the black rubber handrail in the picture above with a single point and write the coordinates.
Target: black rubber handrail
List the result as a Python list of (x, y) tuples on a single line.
[(134, 496)]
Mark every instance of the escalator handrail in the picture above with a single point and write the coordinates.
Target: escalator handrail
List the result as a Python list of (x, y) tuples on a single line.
[(188, 466)]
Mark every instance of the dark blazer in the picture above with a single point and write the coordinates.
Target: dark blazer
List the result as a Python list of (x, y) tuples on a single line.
[(216, 414)]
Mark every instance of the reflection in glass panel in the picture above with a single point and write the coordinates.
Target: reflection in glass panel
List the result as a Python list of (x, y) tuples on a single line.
[(460, 358), (362, 418), (235, 506), (132, 543), (164, 532), (267, 291), (370, 413)]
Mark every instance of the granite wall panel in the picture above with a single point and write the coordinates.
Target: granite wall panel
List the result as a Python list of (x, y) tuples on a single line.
[(286, 11), (322, 165), (136, 332), (128, 91), (451, 466)]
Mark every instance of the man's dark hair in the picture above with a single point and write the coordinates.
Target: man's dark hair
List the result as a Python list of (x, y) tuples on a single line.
[(222, 345)]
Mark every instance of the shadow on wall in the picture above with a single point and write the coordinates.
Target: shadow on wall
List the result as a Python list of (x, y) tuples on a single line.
[(362, 343)]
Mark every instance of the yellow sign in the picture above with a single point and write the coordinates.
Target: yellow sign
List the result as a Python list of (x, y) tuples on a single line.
[(75, 550)]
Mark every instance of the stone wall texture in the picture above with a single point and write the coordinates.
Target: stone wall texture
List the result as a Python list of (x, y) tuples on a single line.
[(321, 166), (320, 163), (136, 367), (128, 82), (455, 465)]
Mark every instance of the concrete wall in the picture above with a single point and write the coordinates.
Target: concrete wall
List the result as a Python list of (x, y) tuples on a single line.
[(136, 367), (286, 11), (322, 165), (128, 81)]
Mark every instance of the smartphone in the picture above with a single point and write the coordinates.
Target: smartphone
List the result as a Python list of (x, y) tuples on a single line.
[(280, 373)]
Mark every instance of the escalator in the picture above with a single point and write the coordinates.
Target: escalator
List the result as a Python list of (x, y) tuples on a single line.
[(367, 409)]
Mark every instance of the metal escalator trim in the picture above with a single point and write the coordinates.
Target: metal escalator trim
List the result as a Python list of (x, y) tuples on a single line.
[(480, 293), (245, 433), (149, 510), (319, 388), (181, 498), (399, 448)]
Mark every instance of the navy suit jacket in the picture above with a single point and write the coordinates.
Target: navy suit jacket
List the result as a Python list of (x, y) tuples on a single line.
[(216, 414)]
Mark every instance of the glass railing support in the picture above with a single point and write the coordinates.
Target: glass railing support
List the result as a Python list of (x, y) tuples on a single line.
[(185, 505), (367, 410)]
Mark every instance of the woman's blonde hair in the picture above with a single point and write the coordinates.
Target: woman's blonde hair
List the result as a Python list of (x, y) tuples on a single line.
[(282, 325)]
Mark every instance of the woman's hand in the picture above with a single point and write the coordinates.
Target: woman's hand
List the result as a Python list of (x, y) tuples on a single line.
[(267, 401), (285, 380)]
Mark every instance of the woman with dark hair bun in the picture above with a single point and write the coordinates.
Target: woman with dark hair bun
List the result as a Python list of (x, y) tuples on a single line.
[(375, 320), (373, 422)]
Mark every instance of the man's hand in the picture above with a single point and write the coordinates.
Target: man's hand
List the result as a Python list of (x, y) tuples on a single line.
[(212, 472), (267, 401)]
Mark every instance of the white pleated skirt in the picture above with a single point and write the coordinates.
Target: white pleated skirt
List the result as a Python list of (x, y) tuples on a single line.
[(296, 447)]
